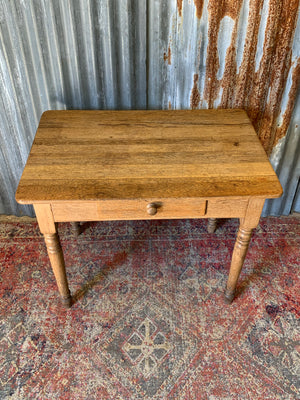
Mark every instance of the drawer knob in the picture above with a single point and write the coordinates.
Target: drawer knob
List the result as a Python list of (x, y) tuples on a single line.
[(151, 209)]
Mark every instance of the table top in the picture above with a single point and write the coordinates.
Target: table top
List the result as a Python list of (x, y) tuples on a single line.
[(105, 155)]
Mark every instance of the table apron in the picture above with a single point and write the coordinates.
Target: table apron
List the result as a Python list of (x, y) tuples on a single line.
[(109, 210)]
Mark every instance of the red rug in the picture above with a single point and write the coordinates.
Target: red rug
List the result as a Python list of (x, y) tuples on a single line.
[(149, 320)]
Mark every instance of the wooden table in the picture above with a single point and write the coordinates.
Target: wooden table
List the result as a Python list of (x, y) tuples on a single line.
[(129, 165)]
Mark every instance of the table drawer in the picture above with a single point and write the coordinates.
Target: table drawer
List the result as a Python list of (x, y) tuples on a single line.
[(129, 209)]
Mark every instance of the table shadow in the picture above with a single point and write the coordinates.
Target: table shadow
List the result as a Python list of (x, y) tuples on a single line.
[(118, 259)]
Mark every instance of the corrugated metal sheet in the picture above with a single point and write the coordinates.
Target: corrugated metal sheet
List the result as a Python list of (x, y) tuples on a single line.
[(122, 54), (64, 54), (286, 162), (296, 204)]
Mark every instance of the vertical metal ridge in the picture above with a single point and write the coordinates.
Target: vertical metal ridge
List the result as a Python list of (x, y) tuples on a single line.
[(106, 23), (69, 52), (185, 54), (285, 158), (16, 80), (147, 52), (27, 39), (123, 16), (48, 40), (87, 53)]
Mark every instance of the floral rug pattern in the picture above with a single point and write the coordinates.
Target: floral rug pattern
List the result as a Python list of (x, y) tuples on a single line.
[(149, 320)]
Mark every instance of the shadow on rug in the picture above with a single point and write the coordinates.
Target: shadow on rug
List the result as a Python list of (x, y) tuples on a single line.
[(149, 319)]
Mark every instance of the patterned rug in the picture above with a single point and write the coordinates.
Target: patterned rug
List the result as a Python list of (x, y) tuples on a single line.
[(149, 320)]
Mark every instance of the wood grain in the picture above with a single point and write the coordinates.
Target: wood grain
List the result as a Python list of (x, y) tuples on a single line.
[(109, 210), (247, 224), (48, 228), (128, 210), (106, 165), (103, 155), (212, 225), (58, 266)]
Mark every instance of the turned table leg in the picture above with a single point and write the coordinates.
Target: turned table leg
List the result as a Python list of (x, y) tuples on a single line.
[(75, 228), (238, 257), (247, 224), (58, 266), (212, 224), (47, 227)]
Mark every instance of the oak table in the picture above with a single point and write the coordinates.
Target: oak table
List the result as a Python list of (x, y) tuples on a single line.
[(130, 165)]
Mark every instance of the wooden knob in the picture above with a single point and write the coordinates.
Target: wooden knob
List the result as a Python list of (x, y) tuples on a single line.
[(151, 209)]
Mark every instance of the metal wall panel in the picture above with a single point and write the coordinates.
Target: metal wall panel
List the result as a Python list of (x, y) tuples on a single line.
[(296, 204), (286, 162), (64, 54), (171, 54)]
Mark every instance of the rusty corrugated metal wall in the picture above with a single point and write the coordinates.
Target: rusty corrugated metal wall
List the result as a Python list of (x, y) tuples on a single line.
[(122, 54)]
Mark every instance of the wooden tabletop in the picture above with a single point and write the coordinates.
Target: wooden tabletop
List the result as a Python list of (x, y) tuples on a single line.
[(104, 155)]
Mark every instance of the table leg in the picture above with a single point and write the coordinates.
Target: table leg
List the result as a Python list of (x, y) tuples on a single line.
[(48, 228), (238, 257), (75, 228), (247, 224), (212, 224), (58, 266)]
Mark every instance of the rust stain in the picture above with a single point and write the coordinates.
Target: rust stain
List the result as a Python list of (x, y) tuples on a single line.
[(280, 63), (195, 95), (286, 118), (235, 83), (232, 8), (217, 11), (167, 56), (199, 8), (245, 77), (179, 7), (259, 92)]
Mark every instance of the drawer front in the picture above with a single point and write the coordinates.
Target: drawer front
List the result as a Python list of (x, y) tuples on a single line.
[(154, 209), (129, 210), (226, 208)]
